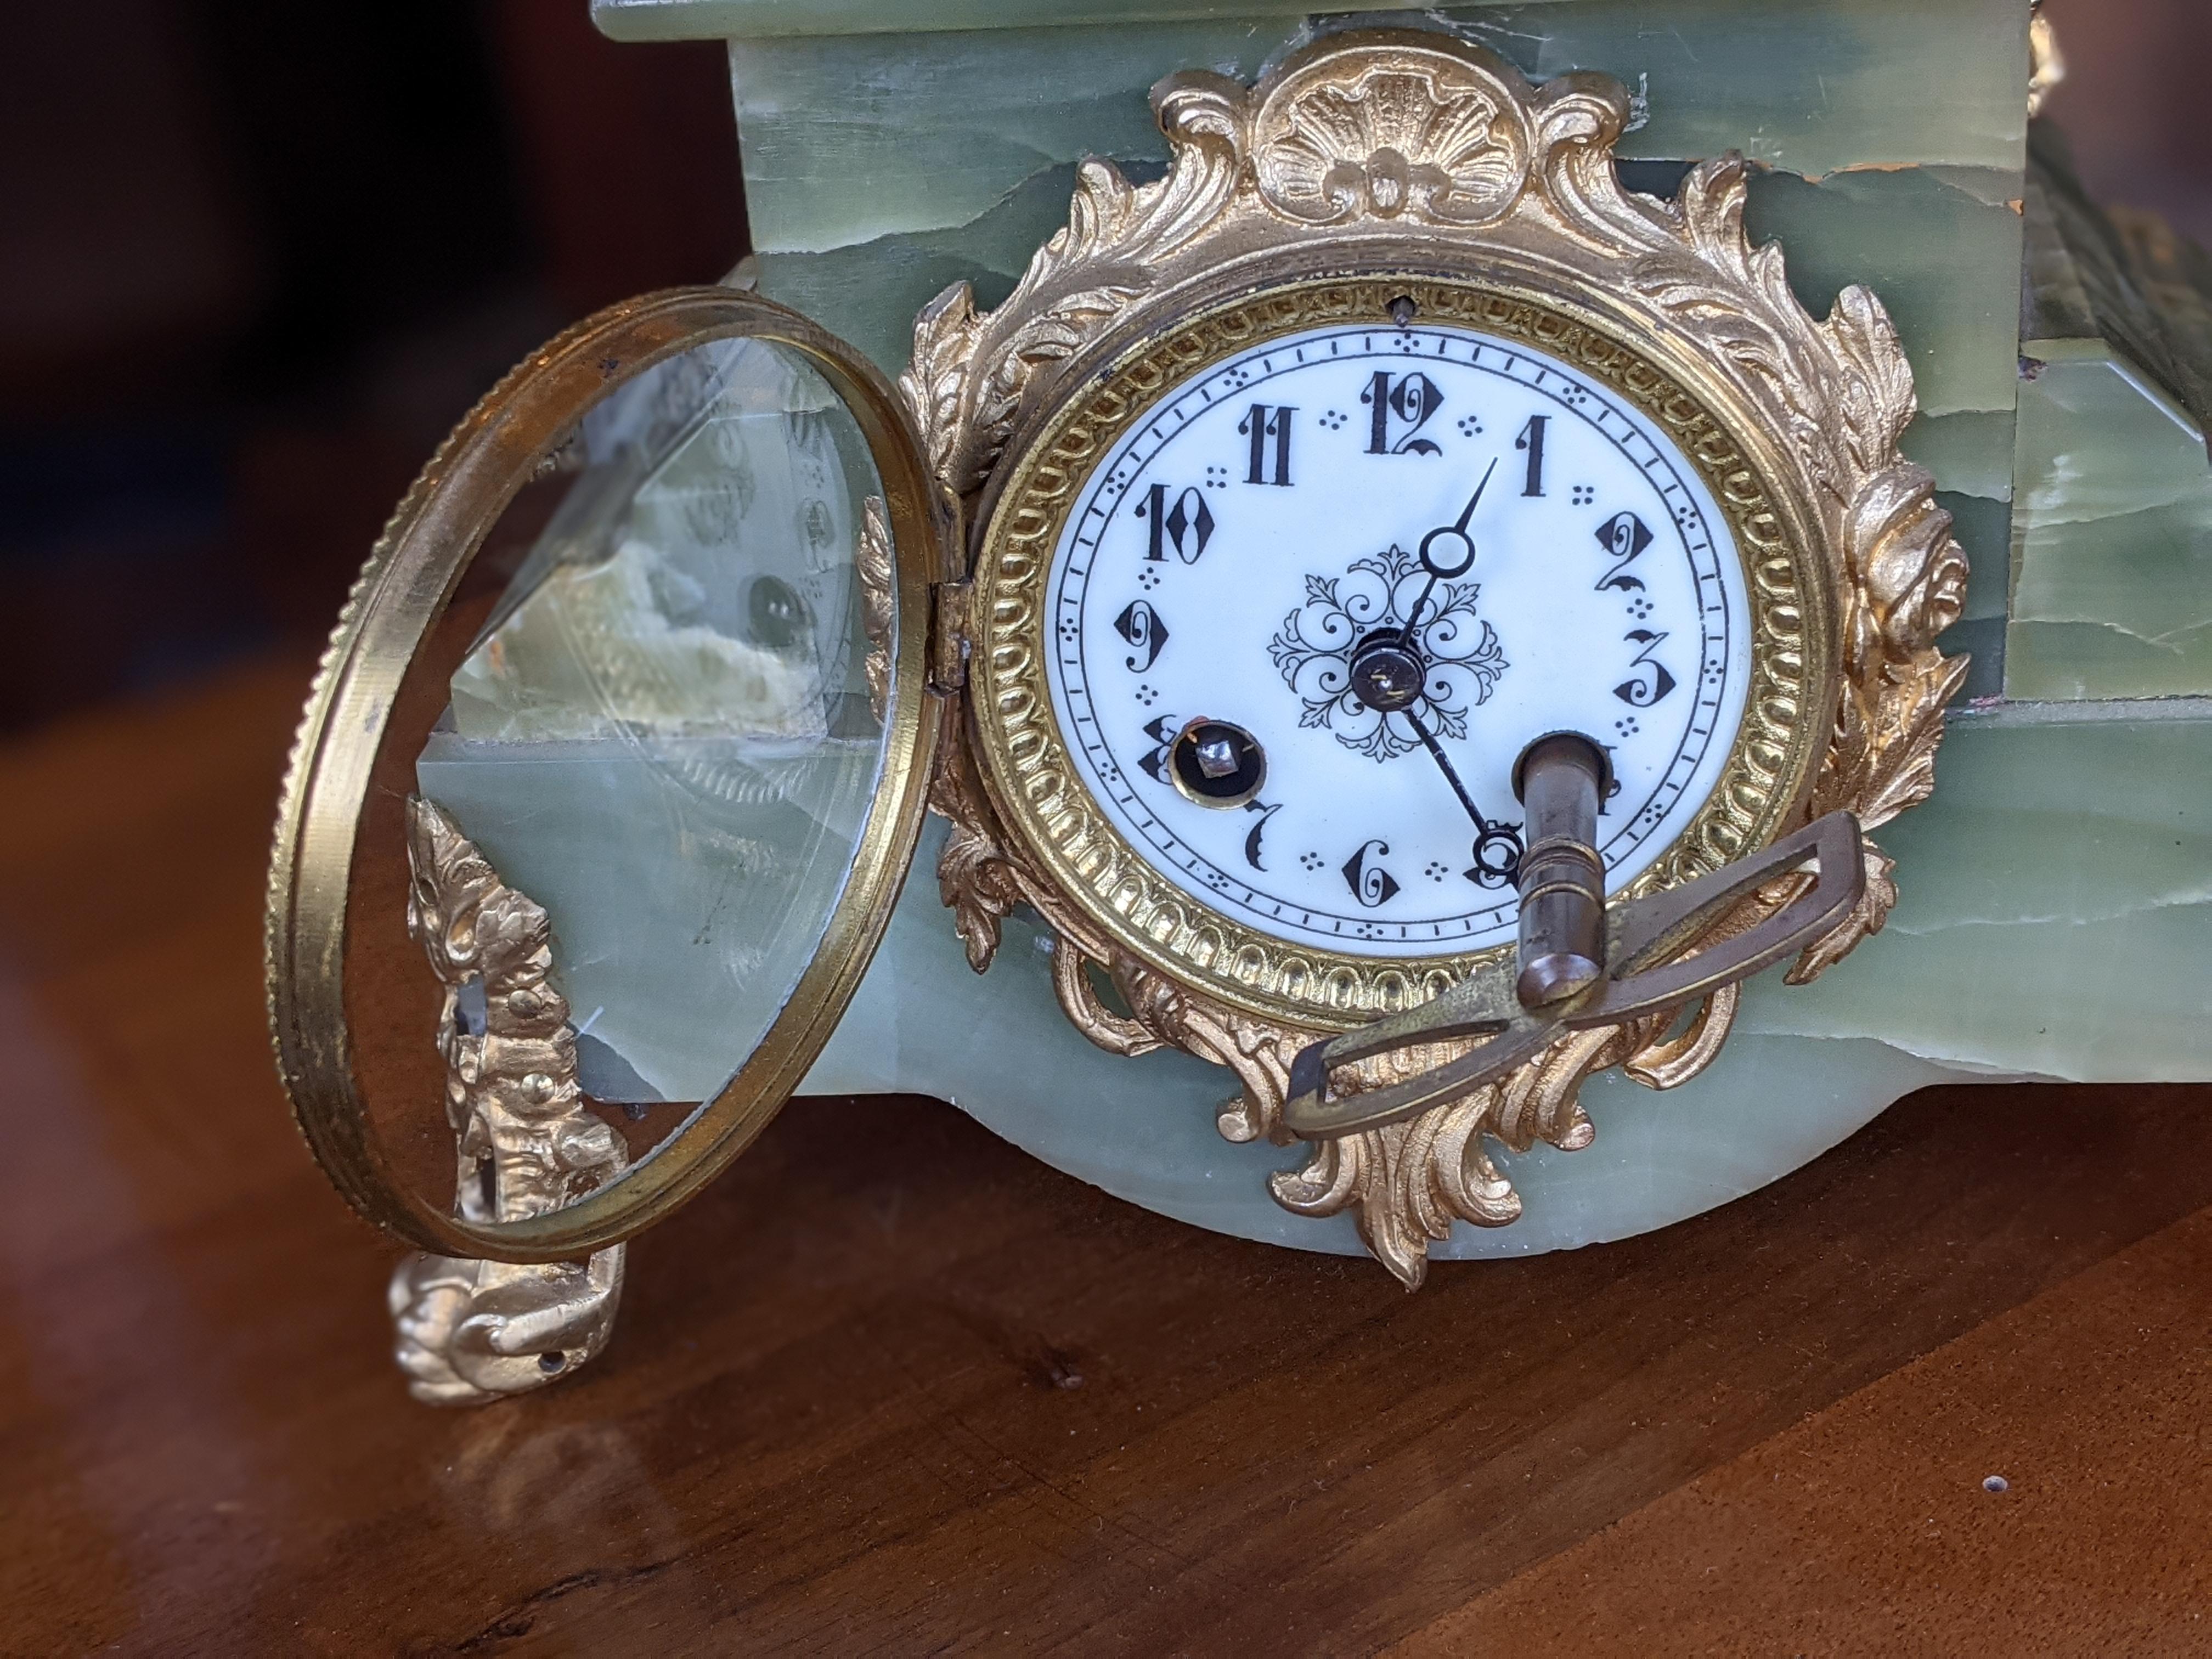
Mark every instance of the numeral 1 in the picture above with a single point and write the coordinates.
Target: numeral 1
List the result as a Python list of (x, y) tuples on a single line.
[(1532, 441), (1261, 424)]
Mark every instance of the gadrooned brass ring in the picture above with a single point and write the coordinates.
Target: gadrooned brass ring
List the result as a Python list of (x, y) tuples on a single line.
[(1026, 763)]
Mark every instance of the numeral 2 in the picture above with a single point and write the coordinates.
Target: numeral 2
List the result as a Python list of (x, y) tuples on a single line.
[(1624, 536), (1262, 423), (1649, 682), (1400, 405), (1187, 526)]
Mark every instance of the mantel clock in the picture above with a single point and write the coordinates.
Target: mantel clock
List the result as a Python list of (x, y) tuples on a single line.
[(1413, 621)]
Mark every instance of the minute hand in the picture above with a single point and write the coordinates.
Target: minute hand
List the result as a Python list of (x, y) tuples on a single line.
[(1440, 565), (1498, 845)]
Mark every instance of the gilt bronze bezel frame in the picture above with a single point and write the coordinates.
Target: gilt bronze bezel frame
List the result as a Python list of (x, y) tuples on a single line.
[(1767, 777)]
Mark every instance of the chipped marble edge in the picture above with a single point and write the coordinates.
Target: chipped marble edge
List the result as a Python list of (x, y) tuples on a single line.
[(1999, 712)]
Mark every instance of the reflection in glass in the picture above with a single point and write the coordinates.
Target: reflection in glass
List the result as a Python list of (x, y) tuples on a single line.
[(664, 732)]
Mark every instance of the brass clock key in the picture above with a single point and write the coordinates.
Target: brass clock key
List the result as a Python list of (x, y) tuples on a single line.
[(1579, 965)]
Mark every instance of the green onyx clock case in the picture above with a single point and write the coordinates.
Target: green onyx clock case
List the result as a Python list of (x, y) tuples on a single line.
[(1300, 707)]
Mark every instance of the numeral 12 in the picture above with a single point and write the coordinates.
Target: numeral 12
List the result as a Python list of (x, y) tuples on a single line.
[(1410, 399)]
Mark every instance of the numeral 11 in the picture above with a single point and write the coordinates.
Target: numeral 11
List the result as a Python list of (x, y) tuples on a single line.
[(1262, 423)]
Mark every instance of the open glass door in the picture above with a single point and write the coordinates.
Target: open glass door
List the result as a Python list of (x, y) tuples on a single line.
[(609, 779)]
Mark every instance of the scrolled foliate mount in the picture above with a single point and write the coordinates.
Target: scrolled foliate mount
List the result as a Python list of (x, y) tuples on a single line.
[(472, 1331), (1369, 145)]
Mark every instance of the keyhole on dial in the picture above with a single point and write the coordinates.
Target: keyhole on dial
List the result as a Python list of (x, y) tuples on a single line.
[(777, 617), (1215, 763)]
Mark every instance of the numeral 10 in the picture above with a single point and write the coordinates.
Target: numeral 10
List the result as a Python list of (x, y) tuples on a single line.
[(1186, 524)]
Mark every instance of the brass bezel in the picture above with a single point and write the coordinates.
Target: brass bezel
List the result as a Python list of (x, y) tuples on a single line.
[(1767, 777), (373, 669)]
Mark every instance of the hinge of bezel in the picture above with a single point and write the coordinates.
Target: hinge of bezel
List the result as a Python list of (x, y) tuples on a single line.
[(948, 633)]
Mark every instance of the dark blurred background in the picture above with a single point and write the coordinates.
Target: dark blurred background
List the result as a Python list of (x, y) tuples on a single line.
[(255, 259)]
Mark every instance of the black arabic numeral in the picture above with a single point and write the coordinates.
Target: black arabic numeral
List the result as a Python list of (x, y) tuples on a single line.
[(1651, 682), (1141, 627), (1252, 839), (1624, 536), (1186, 525), (1371, 883), (1260, 423), (1532, 441), (1399, 405), (1162, 732)]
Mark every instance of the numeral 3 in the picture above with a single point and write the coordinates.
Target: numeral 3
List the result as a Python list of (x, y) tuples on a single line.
[(1650, 681)]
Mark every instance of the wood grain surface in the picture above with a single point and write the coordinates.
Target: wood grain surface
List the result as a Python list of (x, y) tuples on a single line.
[(894, 1388)]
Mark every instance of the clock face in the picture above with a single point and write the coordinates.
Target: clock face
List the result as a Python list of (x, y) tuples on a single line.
[(1307, 610)]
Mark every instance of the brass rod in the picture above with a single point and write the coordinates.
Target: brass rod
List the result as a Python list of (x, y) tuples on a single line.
[(1560, 780)]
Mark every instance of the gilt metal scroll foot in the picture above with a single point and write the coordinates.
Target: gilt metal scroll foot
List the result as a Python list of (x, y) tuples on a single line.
[(471, 1332)]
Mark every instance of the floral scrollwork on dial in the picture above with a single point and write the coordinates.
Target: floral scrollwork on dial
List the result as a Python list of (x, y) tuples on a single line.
[(1313, 651)]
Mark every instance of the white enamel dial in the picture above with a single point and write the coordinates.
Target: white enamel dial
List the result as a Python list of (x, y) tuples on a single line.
[(1259, 533)]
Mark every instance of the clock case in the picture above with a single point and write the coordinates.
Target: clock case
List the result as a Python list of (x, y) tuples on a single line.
[(1395, 157)]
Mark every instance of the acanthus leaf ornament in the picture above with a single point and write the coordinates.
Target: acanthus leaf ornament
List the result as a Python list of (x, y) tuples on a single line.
[(1369, 153)]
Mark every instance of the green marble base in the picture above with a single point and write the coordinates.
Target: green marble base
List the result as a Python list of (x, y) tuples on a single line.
[(2112, 567), (2113, 534)]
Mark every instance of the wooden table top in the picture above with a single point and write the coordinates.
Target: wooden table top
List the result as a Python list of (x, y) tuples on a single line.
[(892, 1387)]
